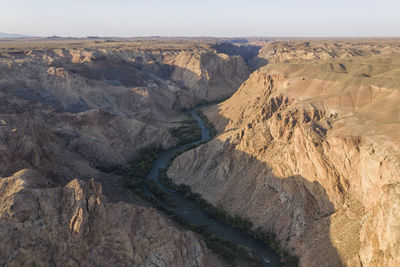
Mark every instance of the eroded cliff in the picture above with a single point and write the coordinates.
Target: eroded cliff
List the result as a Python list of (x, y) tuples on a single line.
[(45, 225), (307, 148), (71, 110), (310, 151), (101, 103)]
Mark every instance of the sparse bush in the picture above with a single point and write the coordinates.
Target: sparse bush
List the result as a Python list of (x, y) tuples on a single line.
[(163, 196), (235, 221), (134, 176), (188, 132), (134, 173)]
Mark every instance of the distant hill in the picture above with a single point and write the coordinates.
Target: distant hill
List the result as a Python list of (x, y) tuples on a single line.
[(9, 35)]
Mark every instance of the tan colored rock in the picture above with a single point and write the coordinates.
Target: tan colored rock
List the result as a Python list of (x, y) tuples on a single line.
[(67, 109), (219, 73), (310, 151), (298, 51), (76, 226), (77, 107)]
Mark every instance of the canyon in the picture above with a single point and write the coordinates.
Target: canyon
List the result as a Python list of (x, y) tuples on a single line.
[(70, 110), (307, 147)]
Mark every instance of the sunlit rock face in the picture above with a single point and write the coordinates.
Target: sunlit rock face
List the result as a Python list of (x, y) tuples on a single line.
[(308, 148)]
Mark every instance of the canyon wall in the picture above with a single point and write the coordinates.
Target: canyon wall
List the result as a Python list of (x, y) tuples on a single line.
[(309, 149), (67, 110), (101, 105), (45, 225)]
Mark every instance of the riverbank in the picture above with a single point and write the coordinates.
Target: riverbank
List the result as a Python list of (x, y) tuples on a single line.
[(232, 241), (188, 212)]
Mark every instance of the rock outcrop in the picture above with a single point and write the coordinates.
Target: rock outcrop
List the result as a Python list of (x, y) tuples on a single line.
[(219, 73), (307, 148), (101, 105), (45, 225), (36, 136), (70, 109), (310, 151), (292, 51)]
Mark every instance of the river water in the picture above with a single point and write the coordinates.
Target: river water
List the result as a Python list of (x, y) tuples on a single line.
[(192, 213)]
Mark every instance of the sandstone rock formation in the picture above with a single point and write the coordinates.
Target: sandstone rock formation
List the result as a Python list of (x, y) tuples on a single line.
[(307, 148), (67, 109), (290, 51), (310, 151), (102, 104), (219, 73), (44, 225)]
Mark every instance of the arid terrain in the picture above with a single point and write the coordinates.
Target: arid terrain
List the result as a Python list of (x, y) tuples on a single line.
[(307, 147), (69, 108)]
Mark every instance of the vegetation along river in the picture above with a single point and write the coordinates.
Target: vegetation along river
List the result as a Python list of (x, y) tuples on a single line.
[(190, 211)]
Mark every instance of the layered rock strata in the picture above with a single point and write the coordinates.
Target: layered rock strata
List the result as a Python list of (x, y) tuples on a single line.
[(310, 151)]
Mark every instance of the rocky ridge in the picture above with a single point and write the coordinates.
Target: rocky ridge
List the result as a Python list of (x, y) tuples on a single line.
[(309, 150), (103, 104), (68, 109), (43, 225)]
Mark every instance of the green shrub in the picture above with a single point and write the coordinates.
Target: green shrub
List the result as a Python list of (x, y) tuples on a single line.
[(235, 221), (156, 191), (134, 176), (188, 132), (139, 167), (233, 254)]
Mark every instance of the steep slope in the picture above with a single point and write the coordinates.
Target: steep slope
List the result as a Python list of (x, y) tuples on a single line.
[(310, 151), (80, 78), (67, 109), (220, 73), (43, 225), (103, 104), (36, 136)]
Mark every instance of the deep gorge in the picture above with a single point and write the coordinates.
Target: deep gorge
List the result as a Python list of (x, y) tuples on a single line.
[(100, 165)]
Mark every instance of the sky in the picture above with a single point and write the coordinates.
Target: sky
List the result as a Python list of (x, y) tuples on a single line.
[(233, 18)]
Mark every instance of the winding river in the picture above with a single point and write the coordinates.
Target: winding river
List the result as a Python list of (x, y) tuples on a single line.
[(192, 213)]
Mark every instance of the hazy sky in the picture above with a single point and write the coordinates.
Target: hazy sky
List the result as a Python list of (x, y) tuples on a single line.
[(201, 18)]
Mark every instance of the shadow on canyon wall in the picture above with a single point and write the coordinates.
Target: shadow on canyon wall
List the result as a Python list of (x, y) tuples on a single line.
[(38, 95), (227, 173), (128, 74), (111, 74), (294, 208), (248, 52)]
